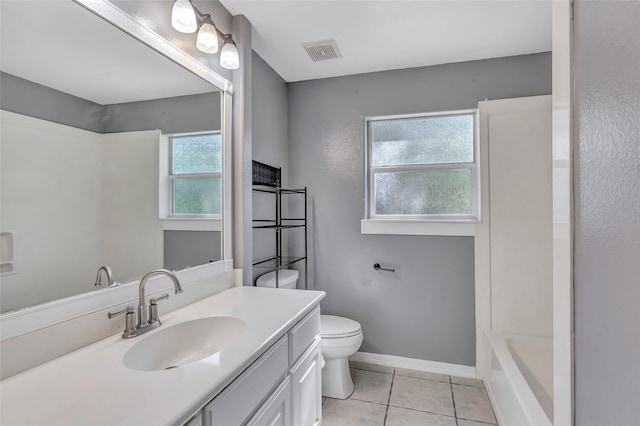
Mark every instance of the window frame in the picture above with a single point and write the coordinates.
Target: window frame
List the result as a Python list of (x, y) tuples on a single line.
[(371, 170), (172, 177)]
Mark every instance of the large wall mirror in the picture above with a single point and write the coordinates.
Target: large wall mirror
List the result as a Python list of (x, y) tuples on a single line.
[(91, 118)]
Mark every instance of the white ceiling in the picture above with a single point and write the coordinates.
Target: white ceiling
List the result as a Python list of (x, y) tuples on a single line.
[(392, 34), (62, 45)]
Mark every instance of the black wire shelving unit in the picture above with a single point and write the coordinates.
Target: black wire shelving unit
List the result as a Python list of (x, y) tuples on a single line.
[(267, 179)]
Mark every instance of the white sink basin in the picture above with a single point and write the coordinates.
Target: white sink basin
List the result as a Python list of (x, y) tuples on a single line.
[(183, 343)]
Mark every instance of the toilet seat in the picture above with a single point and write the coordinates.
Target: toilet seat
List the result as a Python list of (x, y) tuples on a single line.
[(334, 327)]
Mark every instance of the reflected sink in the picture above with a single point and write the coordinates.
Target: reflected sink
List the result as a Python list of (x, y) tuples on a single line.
[(183, 343)]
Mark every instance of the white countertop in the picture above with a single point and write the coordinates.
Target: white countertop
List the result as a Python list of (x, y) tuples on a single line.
[(92, 385)]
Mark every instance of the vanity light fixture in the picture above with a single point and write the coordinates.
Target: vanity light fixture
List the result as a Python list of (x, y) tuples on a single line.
[(183, 17), (207, 40), (229, 54), (186, 18)]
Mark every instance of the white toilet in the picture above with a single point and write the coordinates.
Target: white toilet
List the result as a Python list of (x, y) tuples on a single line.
[(340, 338)]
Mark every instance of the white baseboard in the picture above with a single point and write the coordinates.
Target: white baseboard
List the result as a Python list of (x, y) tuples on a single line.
[(415, 364)]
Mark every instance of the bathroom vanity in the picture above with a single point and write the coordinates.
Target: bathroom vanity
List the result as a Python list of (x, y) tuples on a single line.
[(265, 371)]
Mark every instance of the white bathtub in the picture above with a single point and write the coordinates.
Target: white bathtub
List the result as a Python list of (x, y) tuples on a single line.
[(520, 379)]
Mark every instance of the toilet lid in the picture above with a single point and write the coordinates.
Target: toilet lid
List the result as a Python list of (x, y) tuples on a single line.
[(332, 326)]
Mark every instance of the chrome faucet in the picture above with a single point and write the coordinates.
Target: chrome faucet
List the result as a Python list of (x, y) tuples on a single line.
[(142, 308), (107, 271), (145, 323)]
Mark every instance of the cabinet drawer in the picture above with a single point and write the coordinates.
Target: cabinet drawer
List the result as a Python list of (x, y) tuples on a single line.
[(239, 400), (302, 335), (277, 410)]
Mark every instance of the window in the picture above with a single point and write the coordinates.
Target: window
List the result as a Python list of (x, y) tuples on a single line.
[(423, 167), (195, 175)]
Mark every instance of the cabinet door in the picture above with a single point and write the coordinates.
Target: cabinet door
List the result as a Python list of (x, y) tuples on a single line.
[(276, 411), (307, 388)]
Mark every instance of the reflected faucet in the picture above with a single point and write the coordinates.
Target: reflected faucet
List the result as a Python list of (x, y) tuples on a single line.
[(107, 271), (145, 323)]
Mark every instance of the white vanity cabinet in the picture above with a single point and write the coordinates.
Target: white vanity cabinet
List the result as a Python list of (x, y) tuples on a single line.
[(276, 411), (306, 379), (306, 387), (282, 387)]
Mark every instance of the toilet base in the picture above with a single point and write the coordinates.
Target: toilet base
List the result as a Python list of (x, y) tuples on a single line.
[(336, 378)]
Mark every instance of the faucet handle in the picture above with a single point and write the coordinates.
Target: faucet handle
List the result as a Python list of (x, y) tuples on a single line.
[(127, 310), (153, 308), (155, 300), (129, 325)]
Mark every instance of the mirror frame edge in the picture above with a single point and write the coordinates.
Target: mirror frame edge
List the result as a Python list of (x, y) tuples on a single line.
[(120, 19), (22, 321)]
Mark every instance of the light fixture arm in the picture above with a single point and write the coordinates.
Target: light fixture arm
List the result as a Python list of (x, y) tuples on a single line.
[(206, 17)]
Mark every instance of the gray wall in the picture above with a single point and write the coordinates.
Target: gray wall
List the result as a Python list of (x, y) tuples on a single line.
[(426, 309), (607, 208), (269, 133), (35, 100), (184, 249), (180, 114)]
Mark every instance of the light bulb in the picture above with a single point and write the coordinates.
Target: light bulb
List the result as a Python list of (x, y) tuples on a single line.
[(183, 17), (207, 40), (229, 58)]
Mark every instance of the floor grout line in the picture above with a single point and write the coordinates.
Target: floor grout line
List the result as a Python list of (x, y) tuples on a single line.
[(453, 401), (422, 411), (386, 412)]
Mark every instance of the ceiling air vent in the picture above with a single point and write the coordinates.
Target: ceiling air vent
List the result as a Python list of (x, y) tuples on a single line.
[(322, 50)]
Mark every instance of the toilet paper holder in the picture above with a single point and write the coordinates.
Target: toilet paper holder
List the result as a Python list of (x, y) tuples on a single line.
[(377, 267)]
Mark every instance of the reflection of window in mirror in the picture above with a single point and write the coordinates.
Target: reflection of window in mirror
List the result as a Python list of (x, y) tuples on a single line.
[(195, 175), (191, 180)]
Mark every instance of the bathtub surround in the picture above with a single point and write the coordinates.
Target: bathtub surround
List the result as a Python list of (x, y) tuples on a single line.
[(607, 202), (513, 256), (519, 378), (513, 242), (76, 179), (426, 310)]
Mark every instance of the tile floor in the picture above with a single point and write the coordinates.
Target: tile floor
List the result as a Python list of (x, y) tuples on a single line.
[(388, 396)]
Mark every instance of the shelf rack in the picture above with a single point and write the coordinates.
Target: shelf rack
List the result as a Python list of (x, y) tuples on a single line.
[(267, 179)]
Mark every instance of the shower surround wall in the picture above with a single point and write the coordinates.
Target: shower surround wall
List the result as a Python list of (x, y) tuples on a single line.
[(426, 309)]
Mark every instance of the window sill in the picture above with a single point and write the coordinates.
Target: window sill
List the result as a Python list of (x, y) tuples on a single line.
[(417, 227), (194, 224)]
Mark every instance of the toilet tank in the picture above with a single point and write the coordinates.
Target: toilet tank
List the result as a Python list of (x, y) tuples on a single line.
[(287, 278)]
